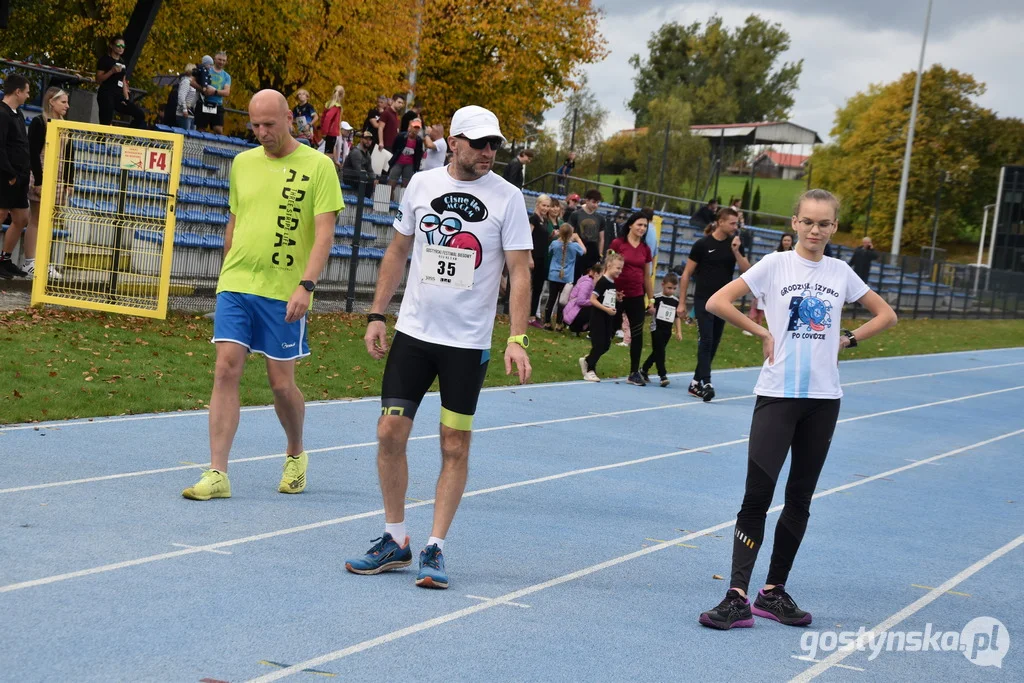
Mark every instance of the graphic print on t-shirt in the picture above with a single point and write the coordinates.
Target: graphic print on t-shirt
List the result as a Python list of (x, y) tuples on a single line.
[(293, 192), (809, 316), (448, 231)]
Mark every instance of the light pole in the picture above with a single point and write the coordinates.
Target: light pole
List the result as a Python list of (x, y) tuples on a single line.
[(897, 232)]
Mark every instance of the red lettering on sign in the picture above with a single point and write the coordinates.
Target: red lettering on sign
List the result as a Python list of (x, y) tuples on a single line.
[(157, 160)]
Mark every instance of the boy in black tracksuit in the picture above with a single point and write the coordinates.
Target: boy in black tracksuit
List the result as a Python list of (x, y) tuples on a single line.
[(663, 322), (603, 302)]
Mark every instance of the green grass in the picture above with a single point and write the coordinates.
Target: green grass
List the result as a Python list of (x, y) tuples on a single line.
[(61, 364), (777, 195)]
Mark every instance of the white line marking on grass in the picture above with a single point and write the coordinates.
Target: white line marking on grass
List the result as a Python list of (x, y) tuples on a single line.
[(366, 399), (519, 425), (208, 550), (513, 604), (805, 658), (911, 609), (493, 489), (587, 571)]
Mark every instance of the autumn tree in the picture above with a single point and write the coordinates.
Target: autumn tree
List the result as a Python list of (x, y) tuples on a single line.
[(584, 113), (516, 58), (727, 76), (957, 143)]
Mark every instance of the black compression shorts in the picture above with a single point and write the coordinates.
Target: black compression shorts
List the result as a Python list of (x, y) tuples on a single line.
[(412, 367)]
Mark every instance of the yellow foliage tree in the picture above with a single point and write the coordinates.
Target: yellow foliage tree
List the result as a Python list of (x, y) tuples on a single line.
[(957, 143), (516, 58)]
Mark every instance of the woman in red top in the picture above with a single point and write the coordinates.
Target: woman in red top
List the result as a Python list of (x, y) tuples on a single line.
[(633, 283), (330, 125)]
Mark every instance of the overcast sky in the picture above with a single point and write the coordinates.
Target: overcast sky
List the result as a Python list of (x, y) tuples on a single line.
[(845, 47)]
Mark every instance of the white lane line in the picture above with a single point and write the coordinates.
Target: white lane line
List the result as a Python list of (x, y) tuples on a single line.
[(366, 399), (516, 425), (805, 658), (373, 513), (581, 573), (183, 545), (513, 604), (911, 609), (364, 444)]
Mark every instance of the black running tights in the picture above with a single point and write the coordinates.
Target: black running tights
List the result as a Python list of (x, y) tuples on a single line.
[(806, 425)]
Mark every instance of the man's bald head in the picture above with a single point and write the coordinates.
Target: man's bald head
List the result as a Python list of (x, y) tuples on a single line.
[(272, 122), (268, 103)]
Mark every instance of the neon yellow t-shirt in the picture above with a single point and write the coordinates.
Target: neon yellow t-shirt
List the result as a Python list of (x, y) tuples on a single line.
[(275, 202)]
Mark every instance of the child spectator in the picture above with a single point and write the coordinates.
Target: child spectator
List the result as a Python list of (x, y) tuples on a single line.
[(330, 126), (576, 313), (662, 325), (603, 301), (305, 115), (564, 252)]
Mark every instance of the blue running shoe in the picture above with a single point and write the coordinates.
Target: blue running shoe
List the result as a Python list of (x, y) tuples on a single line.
[(432, 574), (383, 556)]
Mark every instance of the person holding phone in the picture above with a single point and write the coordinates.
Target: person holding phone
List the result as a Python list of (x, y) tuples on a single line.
[(113, 94)]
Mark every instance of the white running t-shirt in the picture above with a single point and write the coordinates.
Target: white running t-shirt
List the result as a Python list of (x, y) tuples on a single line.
[(462, 231), (434, 158), (803, 303)]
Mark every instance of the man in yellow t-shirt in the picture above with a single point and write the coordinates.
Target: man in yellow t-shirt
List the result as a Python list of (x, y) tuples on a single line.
[(284, 201)]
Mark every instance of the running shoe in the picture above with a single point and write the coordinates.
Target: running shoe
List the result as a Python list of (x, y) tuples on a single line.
[(293, 480), (709, 392), (537, 324), (696, 388), (384, 555), (591, 376), (645, 376), (664, 381), (732, 612), (212, 484), (432, 573), (635, 379), (583, 367), (9, 270), (30, 271), (778, 605)]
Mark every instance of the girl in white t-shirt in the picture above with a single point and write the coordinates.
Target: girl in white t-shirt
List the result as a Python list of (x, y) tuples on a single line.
[(798, 394)]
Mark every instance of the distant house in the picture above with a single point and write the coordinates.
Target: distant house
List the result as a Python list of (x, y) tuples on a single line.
[(772, 164)]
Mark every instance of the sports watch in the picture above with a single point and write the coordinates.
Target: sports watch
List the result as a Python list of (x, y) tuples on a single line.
[(849, 335), (308, 285), (520, 339)]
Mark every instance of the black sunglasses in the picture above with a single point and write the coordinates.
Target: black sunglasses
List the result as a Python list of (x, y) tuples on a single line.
[(480, 143)]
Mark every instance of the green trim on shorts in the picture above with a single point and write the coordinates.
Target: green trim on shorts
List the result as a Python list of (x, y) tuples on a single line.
[(453, 420)]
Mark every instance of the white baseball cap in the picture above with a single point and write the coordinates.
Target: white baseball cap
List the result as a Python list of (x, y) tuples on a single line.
[(345, 125), (476, 122)]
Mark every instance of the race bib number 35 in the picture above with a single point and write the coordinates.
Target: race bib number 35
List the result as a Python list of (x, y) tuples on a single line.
[(448, 267)]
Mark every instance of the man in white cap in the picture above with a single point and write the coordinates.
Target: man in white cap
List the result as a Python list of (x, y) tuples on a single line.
[(461, 224)]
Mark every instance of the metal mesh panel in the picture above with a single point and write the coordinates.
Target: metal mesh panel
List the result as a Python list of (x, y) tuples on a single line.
[(108, 198)]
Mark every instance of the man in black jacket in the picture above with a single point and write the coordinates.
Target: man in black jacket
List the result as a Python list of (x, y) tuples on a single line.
[(515, 172), (358, 160), (14, 170)]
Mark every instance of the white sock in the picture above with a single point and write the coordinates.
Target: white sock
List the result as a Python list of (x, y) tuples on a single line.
[(397, 532), (29, 262), (434, 540)]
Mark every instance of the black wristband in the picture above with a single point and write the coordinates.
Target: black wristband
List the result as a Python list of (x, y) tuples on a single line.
[(376, 317)]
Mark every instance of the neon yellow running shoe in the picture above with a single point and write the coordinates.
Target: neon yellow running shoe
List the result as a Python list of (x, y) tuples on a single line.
[(294, 478), (212, 484)]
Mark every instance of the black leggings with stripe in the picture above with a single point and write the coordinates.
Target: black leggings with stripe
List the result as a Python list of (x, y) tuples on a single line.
[(806, 425)]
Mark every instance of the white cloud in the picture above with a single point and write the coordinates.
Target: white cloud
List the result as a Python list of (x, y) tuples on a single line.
[(840, 58)]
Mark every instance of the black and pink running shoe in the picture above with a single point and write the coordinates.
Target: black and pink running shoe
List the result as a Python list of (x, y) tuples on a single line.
[(776, 604), (733, 612)]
